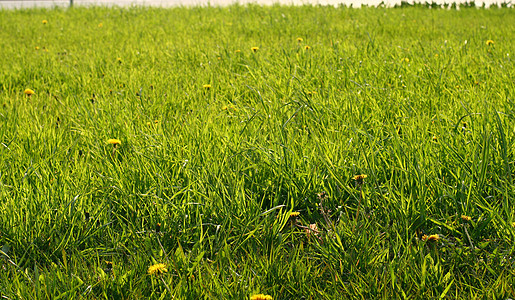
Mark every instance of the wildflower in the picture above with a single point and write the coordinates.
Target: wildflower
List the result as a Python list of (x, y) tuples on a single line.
[(261, 297), (157, 269), (100, 25), (119, 60), (466, 218), (37, 48), (206, 86), (294, 214), (299, 39), (44, 22), (29, 92), (114, 142), (359, 177), (237, 51), (430, 238), (435, 138), (489, 42), (406, 60), (307, 47), (255, 49)]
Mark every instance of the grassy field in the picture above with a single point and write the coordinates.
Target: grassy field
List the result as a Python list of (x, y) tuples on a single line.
[(224, 143)]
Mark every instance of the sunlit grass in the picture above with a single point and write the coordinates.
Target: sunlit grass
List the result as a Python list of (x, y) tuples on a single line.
[(221, 153)]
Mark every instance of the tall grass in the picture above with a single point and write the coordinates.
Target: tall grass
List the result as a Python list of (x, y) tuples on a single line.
[(206, 178)]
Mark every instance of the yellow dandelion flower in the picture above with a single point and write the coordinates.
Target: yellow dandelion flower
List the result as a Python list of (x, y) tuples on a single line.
[(157, 269), (206, 86), (44, 22), (430, 238), (29, 92), (294, 214), (406, 60), (100, 25), (261, 297), (114, 142), (37, 48), (435, 138), (237, 51), (149, 124), (299, 39), (466, 218), (119, 60), (255, 49), (489, 42), (307, 47), (359, 177)]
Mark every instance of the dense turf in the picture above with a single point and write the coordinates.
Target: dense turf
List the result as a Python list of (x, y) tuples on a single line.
[(205, 178)]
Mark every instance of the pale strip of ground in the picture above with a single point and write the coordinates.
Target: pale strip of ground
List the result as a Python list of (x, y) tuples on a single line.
[(171, 3)]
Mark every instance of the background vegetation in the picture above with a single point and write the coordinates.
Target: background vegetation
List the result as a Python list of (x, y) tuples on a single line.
[(206, 178)]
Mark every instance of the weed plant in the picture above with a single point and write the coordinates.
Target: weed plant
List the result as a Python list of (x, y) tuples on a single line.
[(225, 144)]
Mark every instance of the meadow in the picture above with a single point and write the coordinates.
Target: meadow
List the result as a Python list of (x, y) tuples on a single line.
[(304, 152)]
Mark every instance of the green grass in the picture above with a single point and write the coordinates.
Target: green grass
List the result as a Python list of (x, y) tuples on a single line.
[(412, 97)]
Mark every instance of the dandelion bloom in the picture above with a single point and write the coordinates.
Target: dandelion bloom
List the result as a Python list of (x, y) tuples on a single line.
[(299, 39), (307, 47), (255, 49), (44, 22), (430, 238), (114, 142), (157, 269), (294, 214), (406, 60), (465, 218), (261, 297), (489, 42), (206, 86), (29, 92), (359, 177), (100, 25), (37, 48), (237, 51)]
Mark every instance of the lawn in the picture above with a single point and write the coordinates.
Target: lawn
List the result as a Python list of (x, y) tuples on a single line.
[(217, 153)]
